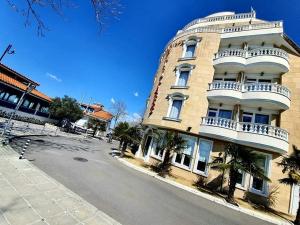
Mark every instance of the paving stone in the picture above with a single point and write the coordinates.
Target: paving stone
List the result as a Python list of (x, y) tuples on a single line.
[(27, 189), (21, 216), (3, 220), (84, 213), (3, 183), (56, 194), (37, 200), (48, 210), (46, 186), (63, 219), (70, 203)]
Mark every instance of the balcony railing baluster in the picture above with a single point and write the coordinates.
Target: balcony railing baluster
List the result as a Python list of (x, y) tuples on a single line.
[(255, 128), (249, 87)]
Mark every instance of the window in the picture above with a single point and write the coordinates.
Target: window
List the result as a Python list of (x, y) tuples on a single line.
[(221, 113), (258, 185), (189, 47), (176, 101), (247, 117), (203, 156), (227, 114), (260, 118), (175, 109), (13, 98), (2, 95), (157, 152), (184, 159), (190, 51), (26, 103), (183, 78), (212, 112), (255, 118), (183, 72), (241, 179), (31, 105), (44, 109)]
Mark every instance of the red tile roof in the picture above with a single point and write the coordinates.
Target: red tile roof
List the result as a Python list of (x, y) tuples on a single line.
[(15, 73), (8, 80), (101, 115)]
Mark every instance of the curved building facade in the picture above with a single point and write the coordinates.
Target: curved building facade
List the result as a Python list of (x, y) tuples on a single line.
[(228, 78)]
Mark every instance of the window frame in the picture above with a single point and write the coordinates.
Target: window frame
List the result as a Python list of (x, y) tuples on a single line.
[(171, 98), (181, 165), (268, 165), (188, 42), (183, 68), (253, 115), (217, 111), (195, 170), (153, 148)]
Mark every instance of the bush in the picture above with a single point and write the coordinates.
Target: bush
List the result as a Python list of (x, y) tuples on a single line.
[(201, 182), (264, 202)]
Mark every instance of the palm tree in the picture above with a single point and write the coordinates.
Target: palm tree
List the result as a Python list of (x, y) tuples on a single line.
[(127, 135), (291, 166), (240, 160), (171, 142)]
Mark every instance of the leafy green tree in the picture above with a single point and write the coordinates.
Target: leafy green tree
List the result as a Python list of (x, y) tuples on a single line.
[(170, 142), (291, 166), (65, 108), (240, 160)]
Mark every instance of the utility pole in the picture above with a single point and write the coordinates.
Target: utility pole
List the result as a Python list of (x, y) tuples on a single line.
[(29, 88), (7, 51)]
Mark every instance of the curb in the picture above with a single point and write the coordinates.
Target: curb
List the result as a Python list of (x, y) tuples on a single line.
[(207, 196)]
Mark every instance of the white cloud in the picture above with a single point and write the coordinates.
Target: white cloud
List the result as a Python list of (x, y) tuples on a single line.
[(112, 100), (53, 77), (136, 94)]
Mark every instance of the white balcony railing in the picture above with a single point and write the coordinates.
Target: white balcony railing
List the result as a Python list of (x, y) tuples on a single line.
[(250, 87), (252, 53), (221, 18), (267, 87), (211, 29), (255, 128), (225, 85)]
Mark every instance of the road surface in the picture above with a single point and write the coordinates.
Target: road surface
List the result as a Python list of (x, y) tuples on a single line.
[(129, 196)]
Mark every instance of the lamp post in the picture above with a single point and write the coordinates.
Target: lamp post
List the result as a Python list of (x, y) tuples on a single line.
[(7, 51), (29, 88)]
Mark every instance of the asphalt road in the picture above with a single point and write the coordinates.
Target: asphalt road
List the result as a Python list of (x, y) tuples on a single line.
[(129, 196)]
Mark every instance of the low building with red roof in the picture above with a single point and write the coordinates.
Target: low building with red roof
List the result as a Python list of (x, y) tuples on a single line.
[(95, 111), (34, 106)]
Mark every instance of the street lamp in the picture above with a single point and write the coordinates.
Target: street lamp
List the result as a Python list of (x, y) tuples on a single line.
[(28, 89), (7, 51)]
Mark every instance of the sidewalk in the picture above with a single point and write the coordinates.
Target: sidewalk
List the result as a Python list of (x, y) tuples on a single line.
[(28, 196)]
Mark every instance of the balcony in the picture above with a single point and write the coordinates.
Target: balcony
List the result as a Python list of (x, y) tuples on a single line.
[(270, 95), (254, 135), (270, 60)]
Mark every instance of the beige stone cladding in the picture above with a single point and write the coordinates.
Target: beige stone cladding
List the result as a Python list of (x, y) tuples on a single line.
[(196, 105)]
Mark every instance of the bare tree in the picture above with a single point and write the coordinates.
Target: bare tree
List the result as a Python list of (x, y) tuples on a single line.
[(103, 10), (118, 110)]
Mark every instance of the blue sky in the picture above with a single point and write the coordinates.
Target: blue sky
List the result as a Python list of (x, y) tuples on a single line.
[(119, 63)]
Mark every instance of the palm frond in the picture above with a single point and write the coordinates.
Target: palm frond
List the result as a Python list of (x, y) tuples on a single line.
[(220, 166)]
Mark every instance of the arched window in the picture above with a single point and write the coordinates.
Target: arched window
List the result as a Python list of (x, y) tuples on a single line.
[(183, 72), (176, 101), (189, 47)]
